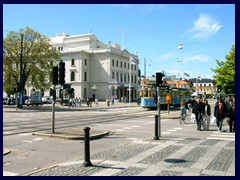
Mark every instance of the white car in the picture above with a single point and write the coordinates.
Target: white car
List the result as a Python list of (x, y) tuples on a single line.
[(46, 100)]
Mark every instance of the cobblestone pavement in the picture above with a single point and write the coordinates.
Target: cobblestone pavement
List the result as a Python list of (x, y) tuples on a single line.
[(146, 157)]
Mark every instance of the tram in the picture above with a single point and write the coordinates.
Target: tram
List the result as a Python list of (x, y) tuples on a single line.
[(173, 97)]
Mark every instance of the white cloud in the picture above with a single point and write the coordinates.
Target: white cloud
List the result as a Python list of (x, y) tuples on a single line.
[(205, 27), (167, 56), (197, 58), (151, 7)]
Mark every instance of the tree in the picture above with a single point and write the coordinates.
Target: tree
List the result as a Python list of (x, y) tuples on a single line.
[(225, 73), (38, 58)]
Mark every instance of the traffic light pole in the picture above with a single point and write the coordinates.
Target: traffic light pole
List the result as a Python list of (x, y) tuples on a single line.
[(158, 109), (53, 110)]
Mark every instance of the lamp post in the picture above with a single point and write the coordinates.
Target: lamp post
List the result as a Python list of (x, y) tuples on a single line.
[(94, 88)]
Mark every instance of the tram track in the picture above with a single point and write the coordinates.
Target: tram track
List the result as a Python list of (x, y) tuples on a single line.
[(69, 121)]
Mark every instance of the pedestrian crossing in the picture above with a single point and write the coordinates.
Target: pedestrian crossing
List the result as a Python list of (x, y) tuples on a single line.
[(226, 136)]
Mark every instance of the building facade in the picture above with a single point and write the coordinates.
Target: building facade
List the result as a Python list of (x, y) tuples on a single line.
[(95, 69)]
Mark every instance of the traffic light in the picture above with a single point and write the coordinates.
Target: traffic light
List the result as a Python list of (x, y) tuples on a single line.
[(51, 92), (167, 89), (219, 88), (55, 75), (61, 73), (191, 84), (159, 80), (155, 97)]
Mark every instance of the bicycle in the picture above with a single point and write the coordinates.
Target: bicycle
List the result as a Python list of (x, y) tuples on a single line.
[(183, 114)]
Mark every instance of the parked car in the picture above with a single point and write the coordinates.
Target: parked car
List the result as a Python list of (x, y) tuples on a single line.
[(5, 101), (12, 101), (46, 100)]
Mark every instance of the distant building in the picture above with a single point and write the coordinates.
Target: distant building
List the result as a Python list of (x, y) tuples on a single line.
[(204, 86), (97, 69)]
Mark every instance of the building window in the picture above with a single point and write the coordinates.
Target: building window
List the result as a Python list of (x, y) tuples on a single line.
[(113, 75), (72, 62), (72, 76), (121, 64), (121, 77), (85, 76), (135, 67), (117, 63), (125, 65), (128, 65), (85, 62), (117, 77), (112, 62), (125, 78), (135, 80)]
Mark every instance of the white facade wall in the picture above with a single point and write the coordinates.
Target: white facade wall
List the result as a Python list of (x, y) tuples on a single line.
[(98, 62)]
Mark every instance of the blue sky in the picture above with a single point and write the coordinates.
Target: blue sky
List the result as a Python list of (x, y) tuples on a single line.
[(206, 31)]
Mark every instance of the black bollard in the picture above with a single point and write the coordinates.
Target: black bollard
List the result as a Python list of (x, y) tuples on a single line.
[(156, 128), (87, 161)]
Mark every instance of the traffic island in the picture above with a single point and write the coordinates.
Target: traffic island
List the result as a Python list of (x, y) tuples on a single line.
[(73, 134)]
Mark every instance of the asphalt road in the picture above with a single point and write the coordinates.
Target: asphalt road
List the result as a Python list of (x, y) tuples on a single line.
[(126, 124)]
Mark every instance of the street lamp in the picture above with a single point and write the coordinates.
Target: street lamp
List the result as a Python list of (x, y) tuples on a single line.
[(94, 88)]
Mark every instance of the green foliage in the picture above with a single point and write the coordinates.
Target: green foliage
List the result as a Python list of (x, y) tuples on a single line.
[(38, 59), (225, 73)]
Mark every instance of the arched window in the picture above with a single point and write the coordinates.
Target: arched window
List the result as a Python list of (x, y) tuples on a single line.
[(85, 62), (72, 76), (85, 76), (72, 62)]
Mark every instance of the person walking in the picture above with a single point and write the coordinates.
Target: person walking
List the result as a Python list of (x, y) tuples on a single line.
[(198, 110), (206, 115), (220, 112), (231, 115)]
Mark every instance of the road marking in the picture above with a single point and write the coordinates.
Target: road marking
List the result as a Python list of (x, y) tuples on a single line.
[(222, 136), (172, 130), (166, 132), (178, 128), (7, 173)]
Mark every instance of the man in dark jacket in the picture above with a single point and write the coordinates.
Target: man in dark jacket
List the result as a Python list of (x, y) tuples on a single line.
[(220, 112), (198, 110)]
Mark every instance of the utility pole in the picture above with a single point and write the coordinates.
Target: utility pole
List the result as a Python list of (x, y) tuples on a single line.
[(21, 78)]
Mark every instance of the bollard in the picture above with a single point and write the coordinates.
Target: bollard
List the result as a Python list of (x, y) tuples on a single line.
[(87, 161), (156, 128)]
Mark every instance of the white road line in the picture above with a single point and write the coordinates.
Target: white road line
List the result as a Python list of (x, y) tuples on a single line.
[(222, 136), (7, 173), (166, 132)]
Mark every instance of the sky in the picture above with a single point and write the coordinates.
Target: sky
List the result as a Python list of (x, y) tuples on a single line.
[(154, 31)]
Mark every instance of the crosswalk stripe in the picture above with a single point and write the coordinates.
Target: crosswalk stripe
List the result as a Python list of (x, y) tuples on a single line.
[(222, 136), (7, 173)]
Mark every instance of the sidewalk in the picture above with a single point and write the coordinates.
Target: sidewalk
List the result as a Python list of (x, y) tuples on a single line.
[(146, 157), (48, 107)]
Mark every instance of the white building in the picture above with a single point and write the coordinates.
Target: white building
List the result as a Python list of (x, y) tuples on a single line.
[(89, 62)]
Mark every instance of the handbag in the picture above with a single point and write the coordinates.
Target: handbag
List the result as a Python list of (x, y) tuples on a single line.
[(213, 120)]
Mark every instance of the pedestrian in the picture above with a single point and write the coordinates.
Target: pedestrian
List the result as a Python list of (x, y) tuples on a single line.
[(108, 102), (79, 102), (76, 102), (231, 115), (70, 102), (96, 101), (220, 112), (198, 110), (206, 115), (112, 100)]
